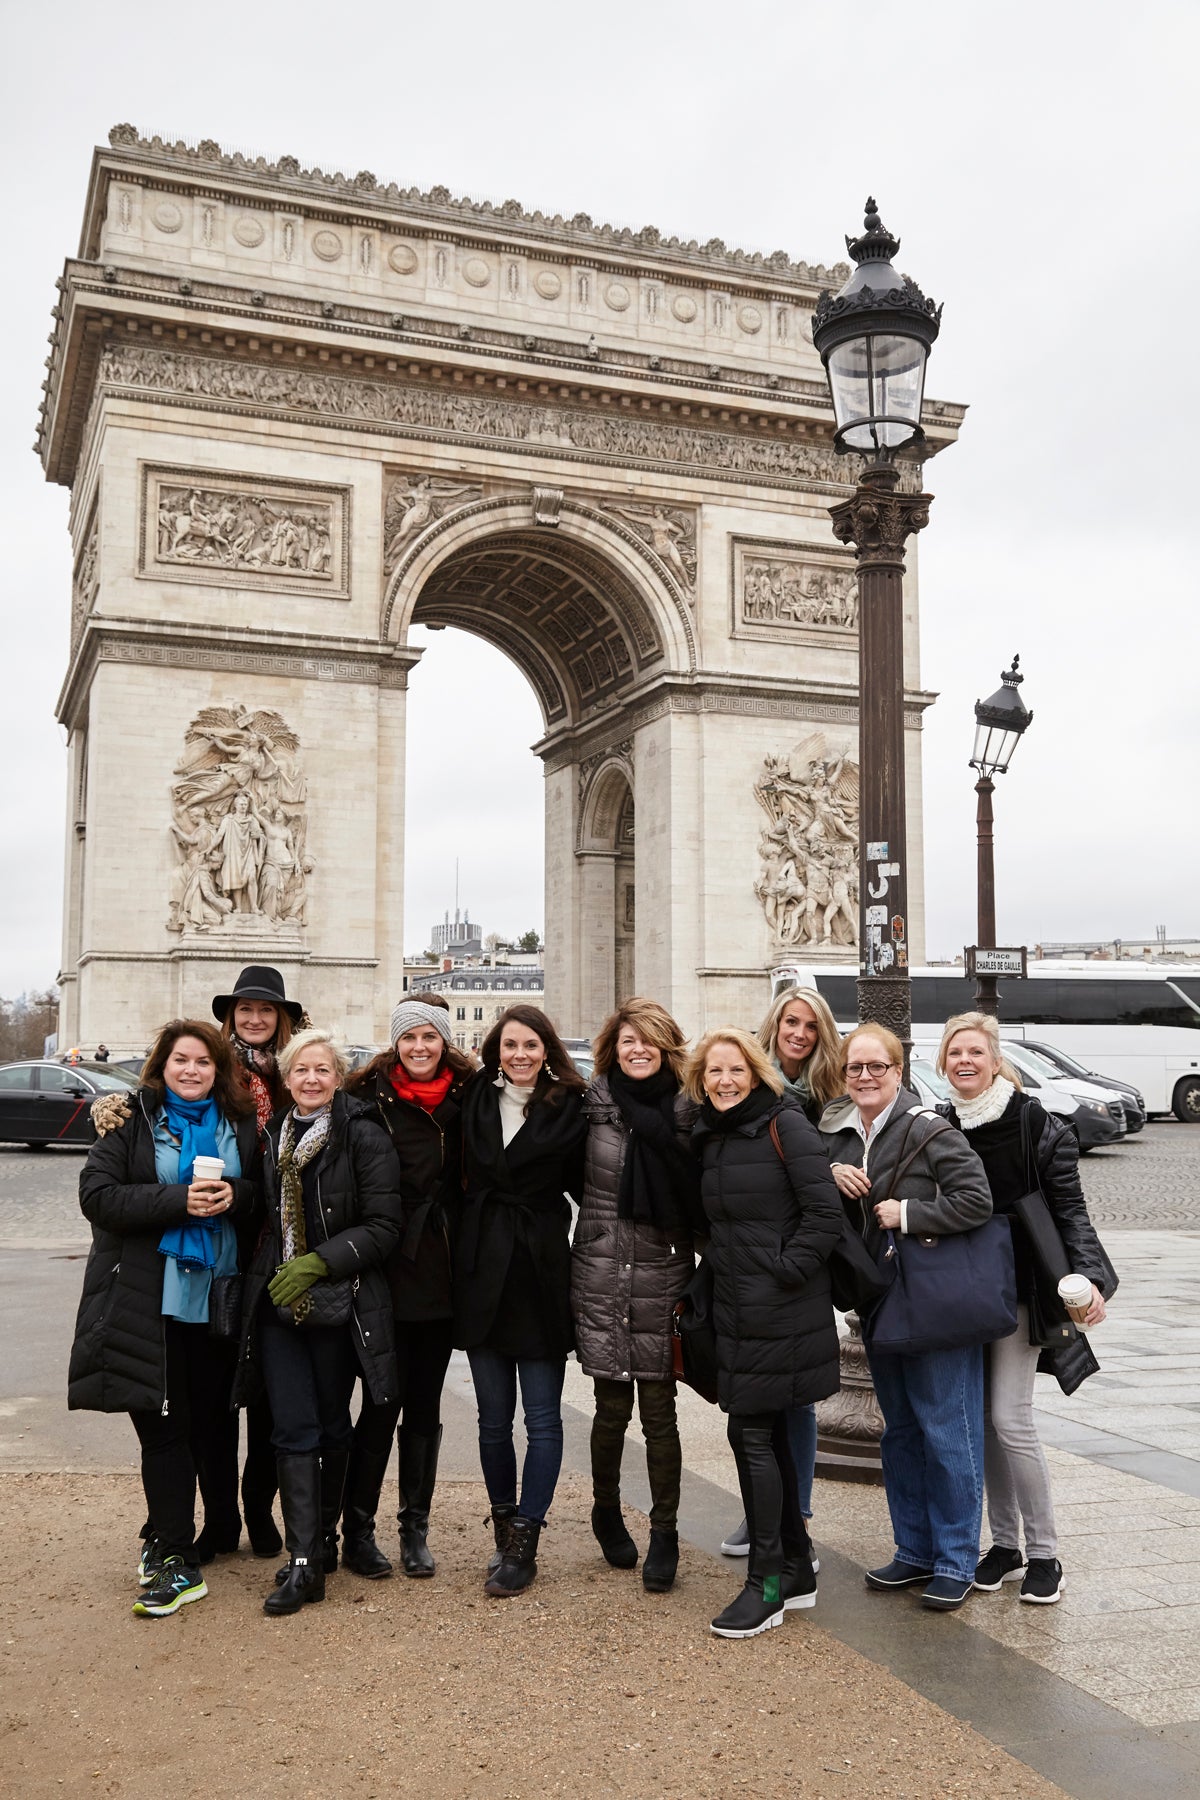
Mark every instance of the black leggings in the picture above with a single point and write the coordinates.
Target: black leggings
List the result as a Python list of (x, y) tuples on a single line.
[(193, 1435), (422, 1356), (767, 1478)]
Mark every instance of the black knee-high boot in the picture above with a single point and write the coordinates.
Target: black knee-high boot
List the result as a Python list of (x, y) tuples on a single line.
[(300, 1499)]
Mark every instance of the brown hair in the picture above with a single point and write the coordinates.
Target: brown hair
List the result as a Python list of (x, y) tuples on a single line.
[(822, 1069), (988, 1027), (229, 1090), (425, 998), (283, 1025), (653, 1024), (557, 1075), (763, 1070), (889, 1040)]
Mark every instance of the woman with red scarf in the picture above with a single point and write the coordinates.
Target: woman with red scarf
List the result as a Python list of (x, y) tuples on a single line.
[(416, 1087)]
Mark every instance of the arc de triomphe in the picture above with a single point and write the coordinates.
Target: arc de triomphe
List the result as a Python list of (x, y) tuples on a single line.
[(299, 413)]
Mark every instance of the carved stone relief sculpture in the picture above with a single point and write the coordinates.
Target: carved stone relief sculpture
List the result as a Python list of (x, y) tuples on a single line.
[(780, 589), (670, 531), (413, 502), (244, 532), (83, 591), (239, 826), (808, 886)]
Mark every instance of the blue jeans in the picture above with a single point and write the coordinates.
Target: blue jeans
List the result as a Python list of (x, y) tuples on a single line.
[(495, 1376), (933, 1456), (802, 1442)]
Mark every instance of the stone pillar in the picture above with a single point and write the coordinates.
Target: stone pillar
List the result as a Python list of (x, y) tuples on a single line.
[(597, 973), (389, 856), (561, 928)]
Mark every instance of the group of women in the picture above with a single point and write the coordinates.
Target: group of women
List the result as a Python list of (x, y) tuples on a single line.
[(358, 1228)]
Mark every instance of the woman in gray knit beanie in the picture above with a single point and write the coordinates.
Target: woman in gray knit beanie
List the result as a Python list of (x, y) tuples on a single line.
[(415, 1088)]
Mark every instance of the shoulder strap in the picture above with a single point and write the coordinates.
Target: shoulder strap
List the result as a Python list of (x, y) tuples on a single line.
[(904, 1164), (773, 1128)]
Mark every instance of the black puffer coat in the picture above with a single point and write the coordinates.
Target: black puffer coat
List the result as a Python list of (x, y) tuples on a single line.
[(358, 1192), (772, 1230), (626, 1275), (429, 1146), (118, 1360)]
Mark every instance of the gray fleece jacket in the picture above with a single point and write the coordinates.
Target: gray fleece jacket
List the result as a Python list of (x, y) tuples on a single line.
[(944, 1185)]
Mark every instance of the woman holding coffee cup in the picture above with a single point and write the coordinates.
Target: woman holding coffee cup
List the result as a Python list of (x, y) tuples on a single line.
[(165, 1189), (1023, 1149)]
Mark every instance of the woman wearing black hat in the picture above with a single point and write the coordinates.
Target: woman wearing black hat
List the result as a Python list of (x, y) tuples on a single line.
[(257, 1020)]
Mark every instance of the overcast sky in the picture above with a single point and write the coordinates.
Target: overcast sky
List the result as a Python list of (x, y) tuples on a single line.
[(1039, 163)]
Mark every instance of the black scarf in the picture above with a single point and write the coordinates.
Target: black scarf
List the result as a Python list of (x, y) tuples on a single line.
[(660, 1176), (758, 1101)]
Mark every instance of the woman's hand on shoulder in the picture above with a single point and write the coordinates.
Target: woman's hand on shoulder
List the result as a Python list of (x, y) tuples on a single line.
[(110, 1112), (851, 1180)]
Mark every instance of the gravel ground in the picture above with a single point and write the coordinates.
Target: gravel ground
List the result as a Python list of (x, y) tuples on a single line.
[(585, 1686)]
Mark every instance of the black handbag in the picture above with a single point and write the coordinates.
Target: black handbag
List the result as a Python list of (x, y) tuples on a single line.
[(693, 1335), (948, 1292), (225, 1306), (330, 1304), (855, 1280), (1066, 1353)]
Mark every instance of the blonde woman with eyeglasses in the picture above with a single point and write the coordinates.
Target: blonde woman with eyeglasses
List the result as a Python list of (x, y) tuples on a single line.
[(932, 1402)]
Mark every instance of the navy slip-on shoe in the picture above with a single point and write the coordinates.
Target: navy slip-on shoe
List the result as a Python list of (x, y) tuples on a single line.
[(896, 1574), (946, 1593)]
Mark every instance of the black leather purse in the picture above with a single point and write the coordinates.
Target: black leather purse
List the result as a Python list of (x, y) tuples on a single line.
[(225, 1307), (330, 1304), (693, 1335), (856, 1281)]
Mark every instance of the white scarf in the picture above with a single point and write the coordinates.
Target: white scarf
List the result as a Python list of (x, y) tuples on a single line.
[(986, 1107)]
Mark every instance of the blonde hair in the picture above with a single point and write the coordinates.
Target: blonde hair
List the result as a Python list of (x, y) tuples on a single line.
[(989, 1028), (310, 1040), (653, 1024), (759, 1065), (822, 1069), (869, 1028)]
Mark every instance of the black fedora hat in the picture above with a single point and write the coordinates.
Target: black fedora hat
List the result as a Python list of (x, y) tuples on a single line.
[(258, 982)]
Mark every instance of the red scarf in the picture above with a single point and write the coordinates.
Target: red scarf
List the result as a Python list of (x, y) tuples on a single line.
[(427, 1094)]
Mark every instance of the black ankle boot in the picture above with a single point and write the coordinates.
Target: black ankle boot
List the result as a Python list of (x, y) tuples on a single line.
[(418, 1477), (662, 1561), (518, 1565), (502, 1517), (609, 1531), (300, 1498)]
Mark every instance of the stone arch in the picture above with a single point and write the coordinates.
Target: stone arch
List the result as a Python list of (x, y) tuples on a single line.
[(603, 793), (583, 607)]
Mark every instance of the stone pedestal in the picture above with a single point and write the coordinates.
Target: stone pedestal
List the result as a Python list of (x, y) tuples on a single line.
[(849, 1423)]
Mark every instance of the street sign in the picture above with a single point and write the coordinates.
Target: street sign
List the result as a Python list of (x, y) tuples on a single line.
[(995, 962)]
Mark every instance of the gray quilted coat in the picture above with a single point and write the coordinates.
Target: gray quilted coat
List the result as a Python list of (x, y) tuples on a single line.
[(625, 1275)]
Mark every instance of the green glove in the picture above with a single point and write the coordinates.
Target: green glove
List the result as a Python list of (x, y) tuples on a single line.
[(294, 1278)]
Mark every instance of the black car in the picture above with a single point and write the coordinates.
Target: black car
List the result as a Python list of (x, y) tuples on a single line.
[(1131, 1098), (51, 1102)]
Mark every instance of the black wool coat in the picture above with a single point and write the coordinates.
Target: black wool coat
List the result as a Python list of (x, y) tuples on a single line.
[(511, 1247), (429, 1147), (118, 1358), (772, 1229), (357, 1177)]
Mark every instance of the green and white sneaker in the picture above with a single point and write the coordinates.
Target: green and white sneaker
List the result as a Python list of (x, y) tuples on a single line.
[(177, 1586), (150, 1563)]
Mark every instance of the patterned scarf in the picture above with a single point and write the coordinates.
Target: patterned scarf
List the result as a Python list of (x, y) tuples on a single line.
[(262, 1074), (293, 1158)]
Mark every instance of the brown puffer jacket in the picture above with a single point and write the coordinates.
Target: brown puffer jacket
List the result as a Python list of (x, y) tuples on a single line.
[(625, 1275)]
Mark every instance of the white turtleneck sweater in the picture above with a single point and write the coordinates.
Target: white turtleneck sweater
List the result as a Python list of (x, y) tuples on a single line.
[(513, 1101)]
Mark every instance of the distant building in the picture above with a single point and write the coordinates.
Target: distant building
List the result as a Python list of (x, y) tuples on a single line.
[(457, 937), (479, 995)]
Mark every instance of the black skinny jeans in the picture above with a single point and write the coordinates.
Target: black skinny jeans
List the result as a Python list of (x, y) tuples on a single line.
[(193, 1435), (767, 1477), (310, 1378)]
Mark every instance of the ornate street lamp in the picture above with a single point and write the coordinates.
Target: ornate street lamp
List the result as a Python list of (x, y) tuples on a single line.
[(874, 338), (1000, 723)]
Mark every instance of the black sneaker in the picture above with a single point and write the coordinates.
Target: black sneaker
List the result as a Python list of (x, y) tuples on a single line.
[(759, 1607), (997, 1567), (1043, 1581), (177, 1585), (150, 1563)]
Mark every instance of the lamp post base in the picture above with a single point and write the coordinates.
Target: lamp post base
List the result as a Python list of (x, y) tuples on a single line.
[(849, 1423)]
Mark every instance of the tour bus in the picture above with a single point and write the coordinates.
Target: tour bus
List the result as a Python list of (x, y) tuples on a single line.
[(1137, 1022)]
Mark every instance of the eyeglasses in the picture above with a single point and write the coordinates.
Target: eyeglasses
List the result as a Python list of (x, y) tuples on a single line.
[(874, 1069)]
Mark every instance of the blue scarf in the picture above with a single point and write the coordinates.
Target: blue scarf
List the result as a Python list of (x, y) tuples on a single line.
[(194, 1123)]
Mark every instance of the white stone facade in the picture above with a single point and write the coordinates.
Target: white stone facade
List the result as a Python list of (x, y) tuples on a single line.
[(299, 414)]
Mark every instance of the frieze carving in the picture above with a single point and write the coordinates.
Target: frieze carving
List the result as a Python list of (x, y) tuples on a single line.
[(86, 583), (670, 531), (239, 824), (622, 752), (808, 887), (245, 531), (441, 414), (782, 588), (414, 501)]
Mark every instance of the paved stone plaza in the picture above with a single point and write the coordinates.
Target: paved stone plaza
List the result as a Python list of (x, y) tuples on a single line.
[(1101, 1694)]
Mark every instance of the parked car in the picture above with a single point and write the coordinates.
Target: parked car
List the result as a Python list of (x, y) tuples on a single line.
[(51, 1102), (580, 1052), (1101, 1116), (1091, 1120), (1132, 1098)]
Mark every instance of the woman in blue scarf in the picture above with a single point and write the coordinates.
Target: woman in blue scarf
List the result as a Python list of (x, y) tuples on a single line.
[(161, 1239)]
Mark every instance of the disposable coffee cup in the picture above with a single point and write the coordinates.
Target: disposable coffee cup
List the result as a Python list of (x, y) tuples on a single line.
[(208, 1168), (1075, 1292)]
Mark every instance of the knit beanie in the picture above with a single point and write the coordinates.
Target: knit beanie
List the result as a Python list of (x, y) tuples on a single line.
[(407, 1013)]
